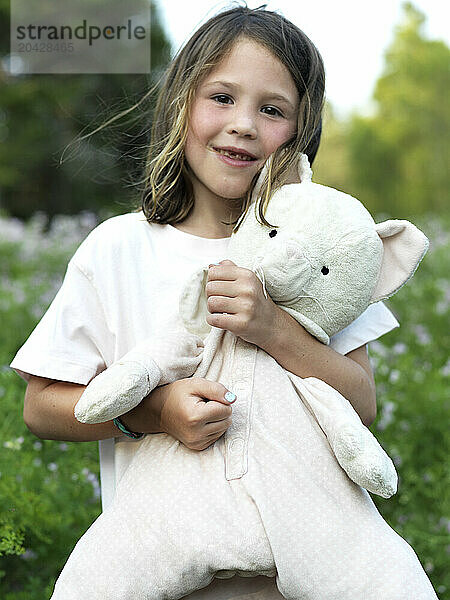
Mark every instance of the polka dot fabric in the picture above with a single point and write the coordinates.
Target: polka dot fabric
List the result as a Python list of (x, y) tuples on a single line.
[(268, 498)]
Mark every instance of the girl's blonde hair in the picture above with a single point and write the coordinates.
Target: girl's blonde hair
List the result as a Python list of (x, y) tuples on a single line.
[(167, 195)]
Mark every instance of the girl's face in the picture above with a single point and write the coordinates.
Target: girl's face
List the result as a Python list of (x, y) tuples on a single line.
[(241, 113)]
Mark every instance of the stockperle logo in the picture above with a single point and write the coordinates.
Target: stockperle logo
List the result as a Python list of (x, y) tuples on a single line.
[(80, 36), (82, 32)]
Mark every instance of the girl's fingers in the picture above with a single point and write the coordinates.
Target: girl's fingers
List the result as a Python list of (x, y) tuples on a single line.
[(212, 431), (222, 304), (224, 320), (212, 390), (222, 288), (231, 281), (223, 271), (223, 262)]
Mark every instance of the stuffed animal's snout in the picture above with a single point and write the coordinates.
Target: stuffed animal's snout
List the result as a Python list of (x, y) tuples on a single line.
[(293, 251), (287, 271)]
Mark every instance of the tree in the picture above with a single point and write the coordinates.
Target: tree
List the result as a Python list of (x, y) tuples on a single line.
[(331, 167), (41, 114), (398, 156)]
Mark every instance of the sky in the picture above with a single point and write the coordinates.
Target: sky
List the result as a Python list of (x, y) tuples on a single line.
[(351, 36)]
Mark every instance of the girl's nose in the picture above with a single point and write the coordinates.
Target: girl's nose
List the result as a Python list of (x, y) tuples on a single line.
[(242, 124)]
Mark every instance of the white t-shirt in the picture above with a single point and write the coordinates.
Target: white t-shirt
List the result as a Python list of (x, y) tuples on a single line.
[(125, 277)]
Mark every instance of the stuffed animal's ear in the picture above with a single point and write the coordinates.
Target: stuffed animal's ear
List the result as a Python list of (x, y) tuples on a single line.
[(260, 180), (192, 304), (301, 173), (404, 246), (304, 168)]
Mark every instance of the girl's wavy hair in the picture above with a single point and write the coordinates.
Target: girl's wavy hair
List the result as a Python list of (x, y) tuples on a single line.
[(168, 195)]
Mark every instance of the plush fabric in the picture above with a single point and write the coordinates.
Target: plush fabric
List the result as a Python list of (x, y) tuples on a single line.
[(267, 498), (178, 352), (327, 262), (271, 496)]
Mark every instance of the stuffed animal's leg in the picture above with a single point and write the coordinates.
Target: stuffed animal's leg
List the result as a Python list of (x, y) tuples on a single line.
[(175, 523), (110, 563), (328, 540), (173, 355), (355, 447)]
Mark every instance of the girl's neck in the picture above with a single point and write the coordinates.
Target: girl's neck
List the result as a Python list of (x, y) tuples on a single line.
[(210, 220), (209, 232)]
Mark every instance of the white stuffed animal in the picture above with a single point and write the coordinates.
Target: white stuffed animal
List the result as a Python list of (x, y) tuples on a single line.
[(268, 497), (324, 263)]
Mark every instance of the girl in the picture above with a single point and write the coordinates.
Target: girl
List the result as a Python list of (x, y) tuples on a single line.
[(247, 85)]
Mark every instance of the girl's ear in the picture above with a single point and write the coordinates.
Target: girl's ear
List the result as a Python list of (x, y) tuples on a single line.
[(192, 303), (404, 246)]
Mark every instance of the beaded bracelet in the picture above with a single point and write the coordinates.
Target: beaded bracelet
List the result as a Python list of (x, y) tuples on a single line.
[(118, 423)]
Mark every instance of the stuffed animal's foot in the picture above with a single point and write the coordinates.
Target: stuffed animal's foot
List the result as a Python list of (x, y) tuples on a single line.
[(126, 382), (115, 391), (364, 460), (349, 442)]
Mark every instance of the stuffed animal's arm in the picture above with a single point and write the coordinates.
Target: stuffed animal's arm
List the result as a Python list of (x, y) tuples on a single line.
[(122, 386), (355, 447)]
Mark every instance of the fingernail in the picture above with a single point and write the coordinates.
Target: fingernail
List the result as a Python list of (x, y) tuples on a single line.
[(230, 397), (214, 265)]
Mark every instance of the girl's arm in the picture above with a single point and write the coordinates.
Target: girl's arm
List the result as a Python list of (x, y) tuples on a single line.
[(298, 351), (49, 405), (236, 302), (178, 408)]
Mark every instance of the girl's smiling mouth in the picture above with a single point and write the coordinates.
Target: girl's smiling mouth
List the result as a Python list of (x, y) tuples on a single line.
[(237, 154), (236, 157)]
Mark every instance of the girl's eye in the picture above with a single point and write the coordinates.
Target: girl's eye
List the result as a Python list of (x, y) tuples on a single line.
[(272, 233), (224, 99), (325, 270), (221, 97), (275, 112)]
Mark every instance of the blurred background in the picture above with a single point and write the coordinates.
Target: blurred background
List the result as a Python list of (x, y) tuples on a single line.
[(385, 141)]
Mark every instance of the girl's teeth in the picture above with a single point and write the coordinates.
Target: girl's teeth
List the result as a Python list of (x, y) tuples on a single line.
[(234, 155)]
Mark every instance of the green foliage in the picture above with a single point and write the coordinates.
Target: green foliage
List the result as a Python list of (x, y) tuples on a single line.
[(11, 539), (49, 491), (399, 155), (332, 165), (40, 115), (395, 160), (412, 369), (392, 161)]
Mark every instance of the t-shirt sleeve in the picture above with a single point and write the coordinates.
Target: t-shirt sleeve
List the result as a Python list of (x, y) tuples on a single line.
[(375, 321), (71, 341)]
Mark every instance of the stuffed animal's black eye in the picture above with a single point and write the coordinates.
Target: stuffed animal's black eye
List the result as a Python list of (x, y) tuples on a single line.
[(325, 271), (272, 233)]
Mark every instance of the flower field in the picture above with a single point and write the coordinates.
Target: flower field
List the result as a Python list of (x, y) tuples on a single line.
[(49, 490)]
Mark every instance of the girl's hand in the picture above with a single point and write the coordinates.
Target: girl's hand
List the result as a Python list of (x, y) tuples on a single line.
[(238, 292), (183, 410), (187, 417)]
